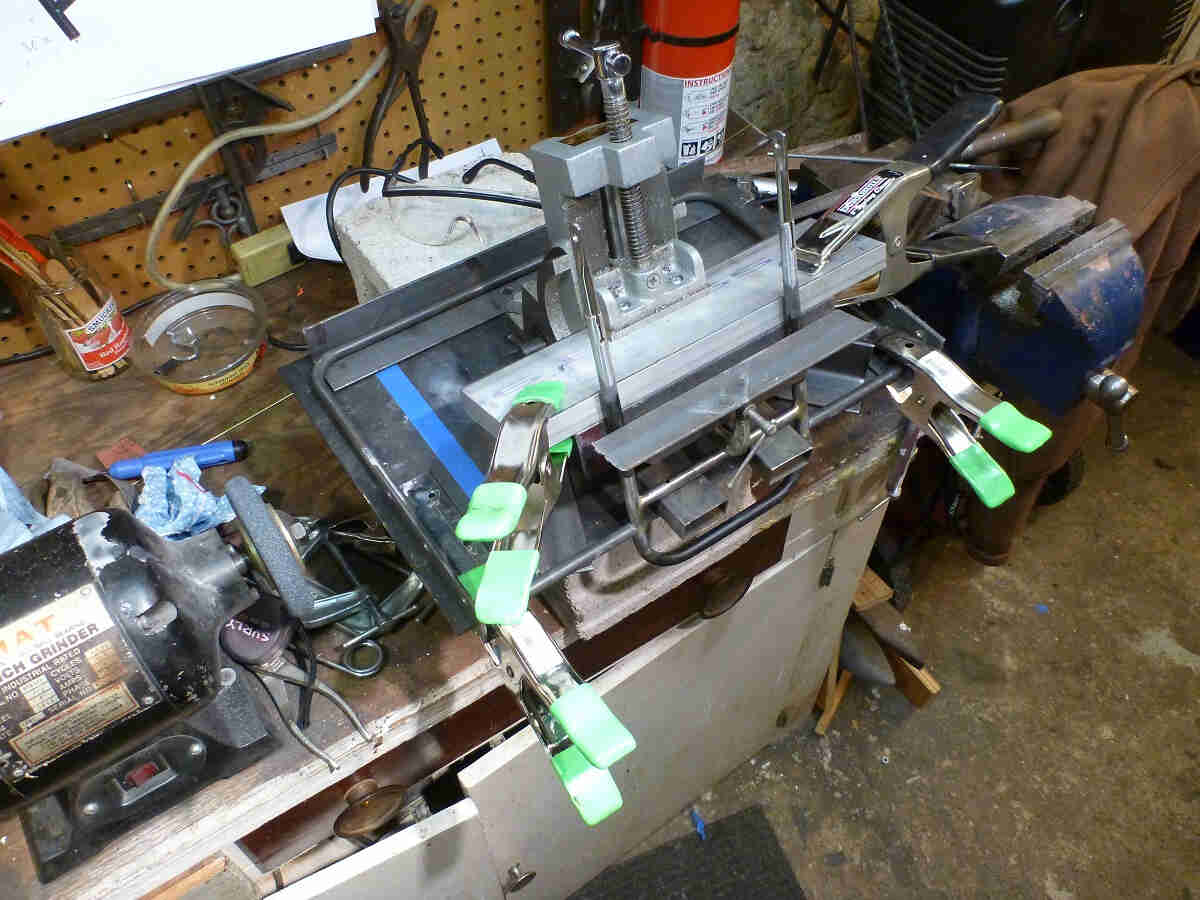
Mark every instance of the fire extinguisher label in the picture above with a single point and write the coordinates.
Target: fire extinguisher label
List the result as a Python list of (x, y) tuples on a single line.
[(698, 107)]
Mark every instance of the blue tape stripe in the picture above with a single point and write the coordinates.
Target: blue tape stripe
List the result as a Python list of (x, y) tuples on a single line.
[(434, 432)]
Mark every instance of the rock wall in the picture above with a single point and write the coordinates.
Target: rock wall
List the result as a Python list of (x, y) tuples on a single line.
[(777, 49)]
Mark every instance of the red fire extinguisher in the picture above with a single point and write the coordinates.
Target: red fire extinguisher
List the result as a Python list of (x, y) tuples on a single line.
[(687, 67)]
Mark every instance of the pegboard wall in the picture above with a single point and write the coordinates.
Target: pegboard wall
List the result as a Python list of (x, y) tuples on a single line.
[(482, 76)]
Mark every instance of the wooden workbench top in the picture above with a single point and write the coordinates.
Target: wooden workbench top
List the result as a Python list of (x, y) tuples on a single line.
[(46, 414), (431, 674)]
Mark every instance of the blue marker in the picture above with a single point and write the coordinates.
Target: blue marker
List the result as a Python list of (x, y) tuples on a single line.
[(215, 454)]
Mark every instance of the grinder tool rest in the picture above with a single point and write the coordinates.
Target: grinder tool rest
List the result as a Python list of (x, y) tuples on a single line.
[(514, 418)]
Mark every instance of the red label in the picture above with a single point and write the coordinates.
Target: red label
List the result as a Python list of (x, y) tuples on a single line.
[(102, 341)]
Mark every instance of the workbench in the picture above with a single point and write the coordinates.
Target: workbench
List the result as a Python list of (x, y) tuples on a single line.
[(440, 697)]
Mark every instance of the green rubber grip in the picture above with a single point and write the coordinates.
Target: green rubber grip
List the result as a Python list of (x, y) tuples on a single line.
[(989, 482), (562, 448), (1006, 424), (592, 790), (549, 392), (591, 726), (493, 512), (471, 579), (503, 594)]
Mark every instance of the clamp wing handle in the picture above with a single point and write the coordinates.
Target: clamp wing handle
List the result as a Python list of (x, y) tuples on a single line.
[(944, 141)]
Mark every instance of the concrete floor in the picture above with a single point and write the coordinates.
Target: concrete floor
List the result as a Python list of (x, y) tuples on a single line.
[(1062, 758)]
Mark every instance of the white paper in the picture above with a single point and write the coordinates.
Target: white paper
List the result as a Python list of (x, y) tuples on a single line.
[(305, 219), (132, 49)]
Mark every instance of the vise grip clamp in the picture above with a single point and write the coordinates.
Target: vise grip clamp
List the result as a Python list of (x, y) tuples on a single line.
[(887, 194)]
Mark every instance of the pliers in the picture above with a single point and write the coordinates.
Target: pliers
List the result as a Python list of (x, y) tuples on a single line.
[(405, 60)]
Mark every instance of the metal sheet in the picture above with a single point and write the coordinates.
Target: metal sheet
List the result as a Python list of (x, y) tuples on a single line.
[(414, 340), (677, 421), (740, 305)]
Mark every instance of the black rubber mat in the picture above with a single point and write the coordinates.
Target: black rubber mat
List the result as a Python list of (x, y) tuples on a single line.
[(740, 858)]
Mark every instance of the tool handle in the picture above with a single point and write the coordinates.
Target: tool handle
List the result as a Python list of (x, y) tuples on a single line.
[(1037, 126), (206, 455), (944, 140)]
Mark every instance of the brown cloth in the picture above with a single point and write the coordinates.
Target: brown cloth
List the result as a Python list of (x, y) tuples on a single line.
[(1130, 143)]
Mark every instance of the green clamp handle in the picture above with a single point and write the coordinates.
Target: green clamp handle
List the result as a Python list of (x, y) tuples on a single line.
[(591, 726), (592, 790), (492, 512), (502, 596), (990, 482), (1006, 424), (549, 392)]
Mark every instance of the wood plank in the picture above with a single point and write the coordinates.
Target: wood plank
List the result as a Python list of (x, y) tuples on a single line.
[(197, 876), (918, 685), (872, 590), (831, 707)]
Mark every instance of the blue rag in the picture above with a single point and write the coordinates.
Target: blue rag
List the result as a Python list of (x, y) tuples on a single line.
[(176, 505), (19, 521)]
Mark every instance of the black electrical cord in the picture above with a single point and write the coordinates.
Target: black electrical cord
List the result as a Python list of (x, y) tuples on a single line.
[(336, 186), (418, 191), (307, 658), (473, 172)]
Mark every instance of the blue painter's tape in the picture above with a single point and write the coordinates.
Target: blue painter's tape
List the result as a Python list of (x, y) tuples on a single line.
[(432, 430)]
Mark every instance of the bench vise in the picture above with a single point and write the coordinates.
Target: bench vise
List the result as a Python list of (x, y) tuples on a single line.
[(1065, 307)]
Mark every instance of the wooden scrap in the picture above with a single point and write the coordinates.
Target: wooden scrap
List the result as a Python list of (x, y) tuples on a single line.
[(198, 875), (918, 685)]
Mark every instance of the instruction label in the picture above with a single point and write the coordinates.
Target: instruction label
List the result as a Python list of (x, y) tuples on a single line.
[(64, 673), (698, 107)]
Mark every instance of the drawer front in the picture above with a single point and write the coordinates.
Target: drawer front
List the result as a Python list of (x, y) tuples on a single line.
[(442, 858), (699, 699)]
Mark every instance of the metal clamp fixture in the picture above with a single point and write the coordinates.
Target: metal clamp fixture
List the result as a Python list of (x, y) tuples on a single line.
[(614, 184), (510, 509)]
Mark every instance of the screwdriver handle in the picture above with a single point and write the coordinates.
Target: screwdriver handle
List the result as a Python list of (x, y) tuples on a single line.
[(206, 455)]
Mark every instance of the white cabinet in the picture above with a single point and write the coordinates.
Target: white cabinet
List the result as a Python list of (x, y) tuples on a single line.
[(699, 699)]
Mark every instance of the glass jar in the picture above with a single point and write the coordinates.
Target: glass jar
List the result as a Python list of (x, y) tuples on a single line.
[(203, 337), (81, 320)]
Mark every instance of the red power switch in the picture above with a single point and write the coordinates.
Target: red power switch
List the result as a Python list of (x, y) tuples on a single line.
[(140, 775)]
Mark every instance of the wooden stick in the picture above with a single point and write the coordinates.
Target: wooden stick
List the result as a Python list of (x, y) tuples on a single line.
[(73, 292)]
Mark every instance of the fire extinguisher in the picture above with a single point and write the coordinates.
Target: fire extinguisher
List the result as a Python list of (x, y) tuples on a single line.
[(687, 67)]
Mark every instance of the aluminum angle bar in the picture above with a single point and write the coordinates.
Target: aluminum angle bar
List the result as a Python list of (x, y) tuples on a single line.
[(740, 305), (694, 412)]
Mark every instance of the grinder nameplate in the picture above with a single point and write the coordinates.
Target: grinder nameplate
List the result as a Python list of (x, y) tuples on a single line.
[(66, 673)]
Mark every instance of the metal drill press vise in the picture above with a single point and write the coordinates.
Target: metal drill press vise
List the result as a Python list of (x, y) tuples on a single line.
[(611, 181)]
